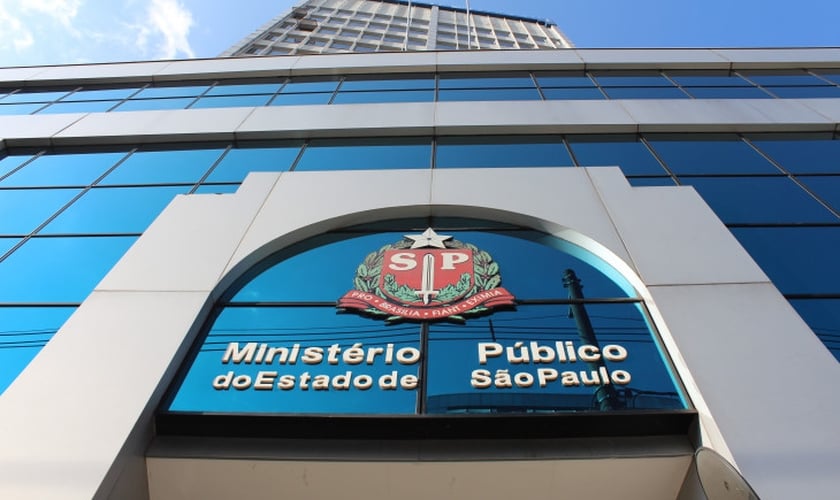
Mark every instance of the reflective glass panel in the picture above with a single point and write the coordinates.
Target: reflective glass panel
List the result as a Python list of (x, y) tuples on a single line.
[(301, 99), (11, 162), (573, 93), (216, 189), (640, 79), (114, 210), (627, 152), (236, 164), (527, 361), (23, 332), (651, 181), (384, 96), (79, 107), (178, 91), (163, 167), (365, 154), (645, 93), (570, 79), (709, 154), (244, 88), (478, 81), (805, 92), (824, 186), (155, 104), (307, 369), (833, 76), (502, 151), (59, 269), (759, 200), (801, 154), (823, 316), (504, 94), (303, 85), (35, 96), (76, 169), (408, 82), (19, 109), (778, 78), (231, 101), (695, 79), (31, 207), (100, 94), (797, 259), (727, 92)]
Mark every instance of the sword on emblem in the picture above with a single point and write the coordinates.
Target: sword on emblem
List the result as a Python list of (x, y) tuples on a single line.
[(427, 283)]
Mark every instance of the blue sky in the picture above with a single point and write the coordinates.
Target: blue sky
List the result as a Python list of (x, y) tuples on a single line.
[(78, 31)]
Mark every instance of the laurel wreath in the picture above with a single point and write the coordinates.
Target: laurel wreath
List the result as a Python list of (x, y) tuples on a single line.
[(485, 273)]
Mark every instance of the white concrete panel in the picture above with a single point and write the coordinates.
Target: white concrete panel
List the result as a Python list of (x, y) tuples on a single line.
[(399, 62), (304, 204), (563, 197), (210, 226), (706, 115), (768, 381), (655, 58), (338, 120), (102, 73), (781, 58), (539, 117), (692, 248), (67, 418), (793, 112), (829, 108), (503, 60), (35, 130), (156, 126), (233, 67), (653, 478), (21, 74)]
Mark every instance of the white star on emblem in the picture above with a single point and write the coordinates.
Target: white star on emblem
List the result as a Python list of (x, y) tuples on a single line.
[(429, 238)]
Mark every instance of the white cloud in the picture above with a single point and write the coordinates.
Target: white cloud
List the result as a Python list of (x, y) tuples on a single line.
[(63, 11), (13, 32), (171, 21)]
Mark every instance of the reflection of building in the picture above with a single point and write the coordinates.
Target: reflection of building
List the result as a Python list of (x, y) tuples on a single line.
[(94, 153)]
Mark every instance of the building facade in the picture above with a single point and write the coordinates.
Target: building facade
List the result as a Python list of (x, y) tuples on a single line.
[(176, 233)]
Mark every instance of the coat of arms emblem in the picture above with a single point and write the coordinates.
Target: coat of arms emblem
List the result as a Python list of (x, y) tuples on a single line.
[(427, 277)]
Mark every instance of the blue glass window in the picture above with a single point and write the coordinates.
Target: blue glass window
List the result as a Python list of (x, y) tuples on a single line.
[(626, 151), (375, 96), (19, 109), (756, 200), (651, 181), (74, 169), (573, 93), (563, 79), (645, 93), (301, 99), (804, 92), (727, 92), (216, 189), (824, 186), (485, 81), (24, 331), (175, 91), (114, 210), (22, 97), (79, 107), (707, 79), (231, 101), (309, 85), (11, 162), (365, 154), (164, 167), (631, 79), (776, 78), (799, 260), (502, 151), (823, 316), (709, 154), (503, 94), (244, 89), (100, 94), (61, 269), (274, 157), (803, 153), (405, 82), (31, 207), (833, 76), (155, 104)]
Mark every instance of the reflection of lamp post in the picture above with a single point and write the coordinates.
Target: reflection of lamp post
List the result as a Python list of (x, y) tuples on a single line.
[(605, 394)]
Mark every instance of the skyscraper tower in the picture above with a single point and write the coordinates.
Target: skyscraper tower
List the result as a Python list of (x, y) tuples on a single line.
[(338, 26)]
